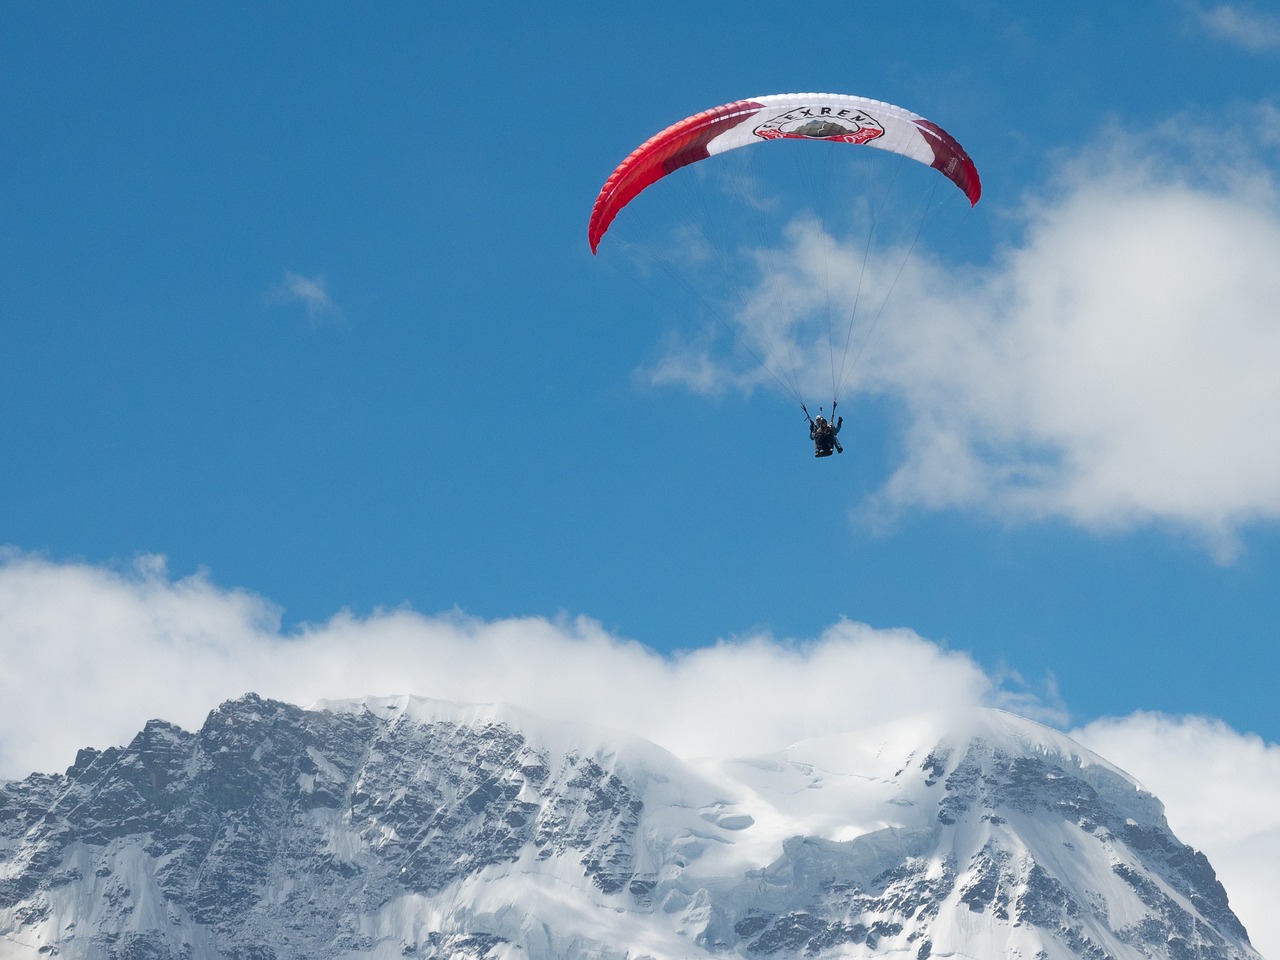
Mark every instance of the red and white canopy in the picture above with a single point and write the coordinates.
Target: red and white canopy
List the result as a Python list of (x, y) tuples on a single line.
[(790, 116)]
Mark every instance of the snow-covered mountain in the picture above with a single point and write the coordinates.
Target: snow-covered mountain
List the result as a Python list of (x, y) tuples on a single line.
[(414, 828)]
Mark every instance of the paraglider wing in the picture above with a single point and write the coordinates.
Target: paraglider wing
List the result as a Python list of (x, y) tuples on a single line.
[(792, 116)]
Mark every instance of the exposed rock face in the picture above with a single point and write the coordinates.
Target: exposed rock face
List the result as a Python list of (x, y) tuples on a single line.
[(404, 827)]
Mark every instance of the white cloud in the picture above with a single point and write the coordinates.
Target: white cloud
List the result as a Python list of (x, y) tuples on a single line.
[(311, 292), (1118, 369), (1221, 791), (1241, 25), (1115, 368), (91, 653)]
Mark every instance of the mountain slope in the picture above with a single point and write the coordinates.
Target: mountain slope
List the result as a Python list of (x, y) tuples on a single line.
[(408, 827)]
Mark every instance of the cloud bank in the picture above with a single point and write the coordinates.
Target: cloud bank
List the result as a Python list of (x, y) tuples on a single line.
[(1114, 368), (91, 653)]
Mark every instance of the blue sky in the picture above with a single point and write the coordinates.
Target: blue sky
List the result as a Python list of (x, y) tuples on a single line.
[(301, 298), (298, 297)]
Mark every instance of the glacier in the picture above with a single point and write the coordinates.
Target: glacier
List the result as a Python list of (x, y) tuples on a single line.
[(407, 827)]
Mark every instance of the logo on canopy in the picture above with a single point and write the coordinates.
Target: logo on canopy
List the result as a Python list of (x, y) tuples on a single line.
[(841, 124)]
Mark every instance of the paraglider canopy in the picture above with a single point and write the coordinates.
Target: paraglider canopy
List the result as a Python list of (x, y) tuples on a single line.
[(821, 291), (792, 116)]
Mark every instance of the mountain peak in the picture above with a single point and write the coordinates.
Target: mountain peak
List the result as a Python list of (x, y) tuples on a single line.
[(412, 827)]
